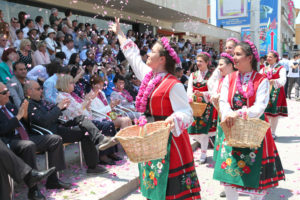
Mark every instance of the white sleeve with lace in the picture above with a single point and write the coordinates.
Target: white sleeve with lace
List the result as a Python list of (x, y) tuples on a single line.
[(132, 54), (282, 79), (183, 114)]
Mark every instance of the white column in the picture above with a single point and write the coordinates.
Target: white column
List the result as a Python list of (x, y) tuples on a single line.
[(255, 22)]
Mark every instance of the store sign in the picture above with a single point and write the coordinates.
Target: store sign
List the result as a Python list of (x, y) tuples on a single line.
[(237, 12), (290, 16), (267, 38)]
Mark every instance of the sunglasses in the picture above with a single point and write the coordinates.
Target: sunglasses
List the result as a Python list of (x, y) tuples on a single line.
[(4, 92)]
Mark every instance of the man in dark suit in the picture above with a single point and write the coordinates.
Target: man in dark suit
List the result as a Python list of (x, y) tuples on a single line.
[(26, 145), (46, 115), (18, 170)]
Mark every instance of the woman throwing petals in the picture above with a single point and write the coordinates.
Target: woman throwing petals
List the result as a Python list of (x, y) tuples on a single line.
[(277, 105), (245, 170), (164, 97)]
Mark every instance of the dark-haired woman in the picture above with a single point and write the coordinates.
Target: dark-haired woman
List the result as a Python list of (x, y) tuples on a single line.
[(124, 97), (246, 92), (173, 177), (74, 59), (277, 105), (197, 91), (226, 66)]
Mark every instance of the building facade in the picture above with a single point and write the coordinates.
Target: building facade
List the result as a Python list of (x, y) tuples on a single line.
[(277, 19)]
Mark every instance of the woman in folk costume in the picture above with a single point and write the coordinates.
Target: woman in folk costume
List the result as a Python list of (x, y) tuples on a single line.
[(226, 66), (245, 170), (197, 91), (216, 76), (277, 105), (173, 177), (213, 83)]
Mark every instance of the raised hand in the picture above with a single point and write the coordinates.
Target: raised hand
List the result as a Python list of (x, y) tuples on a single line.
[(64, 104), (115, 27), (23, 111)]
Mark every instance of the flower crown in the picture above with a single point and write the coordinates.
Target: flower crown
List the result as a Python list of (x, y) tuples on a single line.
[(233, 39), (275, 52), (226, 55), (172, 52), (205, 53), (253, 48)]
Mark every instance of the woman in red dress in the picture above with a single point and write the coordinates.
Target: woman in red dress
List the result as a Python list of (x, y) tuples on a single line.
[(165, 98)]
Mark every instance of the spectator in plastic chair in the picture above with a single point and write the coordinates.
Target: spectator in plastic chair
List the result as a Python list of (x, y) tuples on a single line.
[(14, 132), (132, 85), (126, 100), (6, 67), (81, 107), (15, 167), (16, 83), (101, 108), (41, 56), (50, 91)]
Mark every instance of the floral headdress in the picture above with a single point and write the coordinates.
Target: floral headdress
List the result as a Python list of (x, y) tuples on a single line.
[(172, 52), (275, 52), (226, 55), (253, 48), (205, 53), (233, 39)]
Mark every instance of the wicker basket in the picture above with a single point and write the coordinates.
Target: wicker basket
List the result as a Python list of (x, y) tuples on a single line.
[(198, 108), (150, 146), (245, 133)]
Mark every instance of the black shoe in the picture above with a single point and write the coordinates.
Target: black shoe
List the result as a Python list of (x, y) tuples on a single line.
[(223, 194), (114, 157), (106, 162), (107, 142), (96, 170), (36, 195), (58, 185), (35, 176)]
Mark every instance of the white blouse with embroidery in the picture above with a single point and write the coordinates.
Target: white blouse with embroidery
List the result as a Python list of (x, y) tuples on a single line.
[(183, 114), (99, 110), (74, 109), (261, 99), (280, 82)]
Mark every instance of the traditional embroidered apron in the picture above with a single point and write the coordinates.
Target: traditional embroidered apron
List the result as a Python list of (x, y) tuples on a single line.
[(203, 124)]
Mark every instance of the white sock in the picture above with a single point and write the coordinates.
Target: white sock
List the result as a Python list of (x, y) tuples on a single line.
[(256, 197), (231, 193), (273, 123)]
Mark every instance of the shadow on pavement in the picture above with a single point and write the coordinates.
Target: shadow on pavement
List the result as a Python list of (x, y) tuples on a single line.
[(286, 171), (288, 139), (278, 193)]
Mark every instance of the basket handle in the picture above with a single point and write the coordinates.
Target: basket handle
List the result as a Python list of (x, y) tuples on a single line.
[(143, 131)]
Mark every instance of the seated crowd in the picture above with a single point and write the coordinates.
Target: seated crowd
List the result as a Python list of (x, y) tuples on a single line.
[(72, 81)]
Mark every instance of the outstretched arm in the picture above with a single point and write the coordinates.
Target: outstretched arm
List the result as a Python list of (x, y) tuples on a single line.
[(131, 51)]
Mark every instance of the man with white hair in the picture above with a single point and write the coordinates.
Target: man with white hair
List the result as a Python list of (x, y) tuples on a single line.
[(53, 19)]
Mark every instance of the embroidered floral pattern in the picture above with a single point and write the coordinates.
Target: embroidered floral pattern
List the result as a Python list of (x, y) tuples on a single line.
[(189, 180), (150, 179), (244, 159)]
